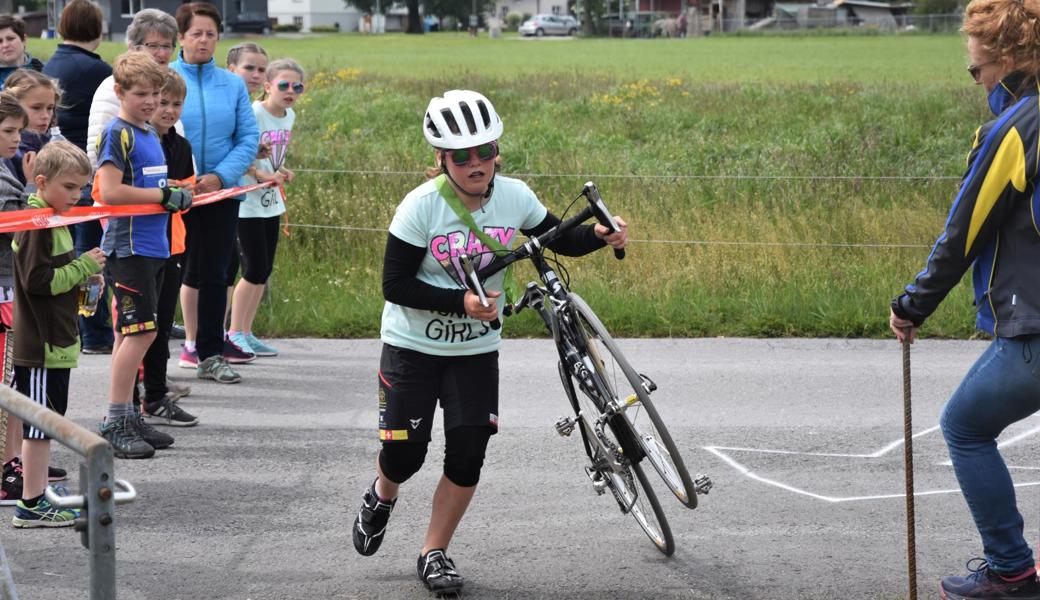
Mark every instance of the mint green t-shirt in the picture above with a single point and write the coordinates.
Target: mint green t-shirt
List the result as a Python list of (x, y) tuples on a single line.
[(424, 219), (276, 132)]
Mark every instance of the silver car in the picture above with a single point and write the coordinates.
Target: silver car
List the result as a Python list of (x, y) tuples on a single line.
[(540, 25)]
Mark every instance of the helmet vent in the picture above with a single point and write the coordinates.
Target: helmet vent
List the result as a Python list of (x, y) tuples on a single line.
[(484, 116), (430, 127), (467, 113), (449, 118)]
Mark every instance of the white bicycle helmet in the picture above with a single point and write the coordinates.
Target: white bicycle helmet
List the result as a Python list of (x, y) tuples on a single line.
[(461, 119)]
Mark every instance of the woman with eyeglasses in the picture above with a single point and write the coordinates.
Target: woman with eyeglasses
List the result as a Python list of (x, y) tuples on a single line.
[(259, 214), (994, 228), (438, 344), (152, 31), (219, 123)]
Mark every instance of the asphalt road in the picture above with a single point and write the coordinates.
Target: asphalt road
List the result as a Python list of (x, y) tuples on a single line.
[(799, 436)]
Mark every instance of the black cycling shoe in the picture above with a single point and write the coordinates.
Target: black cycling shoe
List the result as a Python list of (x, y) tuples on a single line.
[(437, 572), (370, 523)]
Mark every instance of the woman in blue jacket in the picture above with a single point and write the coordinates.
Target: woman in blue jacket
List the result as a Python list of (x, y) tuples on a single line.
[(219, 122), (994, 229)]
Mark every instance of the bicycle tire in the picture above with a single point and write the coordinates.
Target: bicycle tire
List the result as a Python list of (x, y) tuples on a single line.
[(641, 505), (650, 432)]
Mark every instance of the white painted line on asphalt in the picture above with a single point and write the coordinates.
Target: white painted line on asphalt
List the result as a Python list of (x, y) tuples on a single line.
[(722, 453)]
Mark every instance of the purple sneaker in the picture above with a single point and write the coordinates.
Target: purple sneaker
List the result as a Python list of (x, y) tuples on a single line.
[(985, 584), (189, 360)]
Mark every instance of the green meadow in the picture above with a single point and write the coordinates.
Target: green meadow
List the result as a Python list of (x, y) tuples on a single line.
[(775, 185)]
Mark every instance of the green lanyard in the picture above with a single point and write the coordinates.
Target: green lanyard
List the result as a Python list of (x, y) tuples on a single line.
[(509, 284)]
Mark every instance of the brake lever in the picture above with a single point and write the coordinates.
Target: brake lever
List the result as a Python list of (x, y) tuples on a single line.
[(474, 284), (602, 214)]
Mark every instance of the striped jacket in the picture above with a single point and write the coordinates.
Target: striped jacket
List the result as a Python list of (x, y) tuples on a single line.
[(994, 223)]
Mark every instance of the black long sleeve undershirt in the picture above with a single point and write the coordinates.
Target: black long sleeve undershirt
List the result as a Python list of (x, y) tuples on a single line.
[(402, 261)]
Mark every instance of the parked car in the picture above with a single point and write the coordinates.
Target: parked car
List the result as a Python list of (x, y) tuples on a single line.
[(247, 23), (540, 25), (639, 24)]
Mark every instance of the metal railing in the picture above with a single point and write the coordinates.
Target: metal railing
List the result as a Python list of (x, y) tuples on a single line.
[(98, 483)]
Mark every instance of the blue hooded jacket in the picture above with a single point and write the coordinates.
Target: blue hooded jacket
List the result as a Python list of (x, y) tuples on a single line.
[(218, 120)]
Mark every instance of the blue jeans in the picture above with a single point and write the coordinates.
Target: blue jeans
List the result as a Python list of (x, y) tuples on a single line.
[(95, 331), (1002, 387)]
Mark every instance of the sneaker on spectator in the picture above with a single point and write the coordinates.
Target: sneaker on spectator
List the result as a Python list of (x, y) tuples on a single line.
[(44, 514), (236, 354), (125, 439), (53, 473), (177, 390), (259, 348), (177, 331), (96, 350), (437, 572), (165, 412), (217, 369), (984, 583), (188, 360), (11, 484), (155, 438)]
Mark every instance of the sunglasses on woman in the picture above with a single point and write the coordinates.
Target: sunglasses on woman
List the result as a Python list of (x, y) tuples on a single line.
[(486, 151), (976, 70), (283, 86)]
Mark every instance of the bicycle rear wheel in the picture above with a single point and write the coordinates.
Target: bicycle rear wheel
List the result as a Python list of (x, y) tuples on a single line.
[(629, 393)]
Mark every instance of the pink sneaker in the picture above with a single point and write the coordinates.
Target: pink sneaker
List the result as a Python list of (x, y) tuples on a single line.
[(189, 360)]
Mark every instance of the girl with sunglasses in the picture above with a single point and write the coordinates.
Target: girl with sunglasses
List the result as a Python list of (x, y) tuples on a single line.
[(438, 343), (258, 215), (994, 228)]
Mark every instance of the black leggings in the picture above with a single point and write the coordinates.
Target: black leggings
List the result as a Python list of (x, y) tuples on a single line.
[(159, 352), (258, 240), (210, 237)]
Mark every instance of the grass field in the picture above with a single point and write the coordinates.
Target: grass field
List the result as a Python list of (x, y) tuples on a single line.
[(662, 126)]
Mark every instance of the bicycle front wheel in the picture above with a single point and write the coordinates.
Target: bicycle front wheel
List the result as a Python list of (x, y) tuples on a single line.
[(642, 504), (633, 399)]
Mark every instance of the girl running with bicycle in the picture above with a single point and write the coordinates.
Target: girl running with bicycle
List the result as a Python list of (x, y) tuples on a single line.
[(438, 340)]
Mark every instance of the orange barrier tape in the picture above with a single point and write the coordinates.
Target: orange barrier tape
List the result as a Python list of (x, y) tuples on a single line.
[(45, 218)]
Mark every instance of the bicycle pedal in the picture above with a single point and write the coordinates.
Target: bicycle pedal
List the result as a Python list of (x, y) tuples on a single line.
[(702, 485), (565, 426), (599, 482)]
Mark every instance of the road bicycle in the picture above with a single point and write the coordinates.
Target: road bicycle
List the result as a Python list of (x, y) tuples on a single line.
[(619, 425)]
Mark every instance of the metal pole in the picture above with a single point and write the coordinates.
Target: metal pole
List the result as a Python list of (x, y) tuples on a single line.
[(908, 460)]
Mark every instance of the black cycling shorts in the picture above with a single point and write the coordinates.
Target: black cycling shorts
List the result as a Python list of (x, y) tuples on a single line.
[(411, 383), (47, 387), (136, 284)]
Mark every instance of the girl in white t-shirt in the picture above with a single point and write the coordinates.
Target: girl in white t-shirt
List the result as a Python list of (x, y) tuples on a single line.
[(259, 214), (438, 346)]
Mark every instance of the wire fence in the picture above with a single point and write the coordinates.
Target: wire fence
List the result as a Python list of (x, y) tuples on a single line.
[(665, 176)]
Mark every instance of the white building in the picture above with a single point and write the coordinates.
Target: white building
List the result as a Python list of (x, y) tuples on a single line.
[(308, 13), (531, 7)]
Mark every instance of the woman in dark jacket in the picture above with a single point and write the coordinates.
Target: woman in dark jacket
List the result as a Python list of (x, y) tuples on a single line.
[(13, 54), (80, 71), (994, 228)]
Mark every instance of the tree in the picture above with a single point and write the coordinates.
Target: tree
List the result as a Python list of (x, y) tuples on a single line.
[(414, 18)]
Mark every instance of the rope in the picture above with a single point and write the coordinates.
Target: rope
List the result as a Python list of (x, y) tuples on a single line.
[(673, 176), (908, 460), (679, 242)]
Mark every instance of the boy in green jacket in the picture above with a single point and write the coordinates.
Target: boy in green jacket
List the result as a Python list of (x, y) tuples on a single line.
[(47, 276)]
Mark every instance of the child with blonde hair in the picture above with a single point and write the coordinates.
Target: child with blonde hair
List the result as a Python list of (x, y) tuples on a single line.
[(47, 277), (258, 215), (39, 95), (132, 170)]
